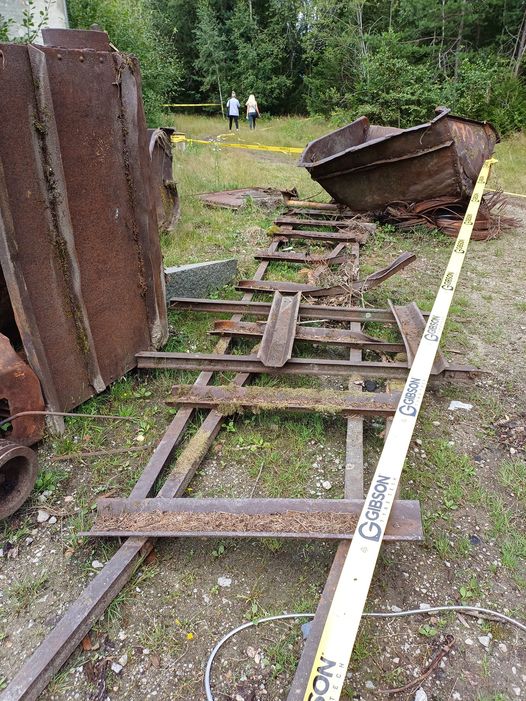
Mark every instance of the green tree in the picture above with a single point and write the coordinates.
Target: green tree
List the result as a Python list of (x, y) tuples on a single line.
[(210, 44), (132, 28)]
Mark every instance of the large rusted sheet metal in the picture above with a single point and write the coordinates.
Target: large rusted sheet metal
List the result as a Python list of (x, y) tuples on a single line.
[(78, 233), (366, 166)]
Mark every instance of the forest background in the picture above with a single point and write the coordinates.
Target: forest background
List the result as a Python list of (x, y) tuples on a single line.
[(392, 60)]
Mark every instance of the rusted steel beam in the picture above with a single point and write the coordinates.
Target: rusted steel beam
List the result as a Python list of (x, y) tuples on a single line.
[(227, 399), (295, 366), (353, 489), (411, 324), (293, 287), (339, 337), (247, 518), (324, 236), (295, 222), (335, 257), (376, 278), (278, 337), (307, 311)]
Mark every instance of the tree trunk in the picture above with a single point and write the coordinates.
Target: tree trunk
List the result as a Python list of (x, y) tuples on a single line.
[(220, 92), (458, 43), (520, 47)]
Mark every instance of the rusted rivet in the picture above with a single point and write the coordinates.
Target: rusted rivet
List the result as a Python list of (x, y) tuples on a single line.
[(59, 56), (81, 59), (101, 60)]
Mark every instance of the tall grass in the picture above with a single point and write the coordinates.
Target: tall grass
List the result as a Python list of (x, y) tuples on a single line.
[(510, 172)]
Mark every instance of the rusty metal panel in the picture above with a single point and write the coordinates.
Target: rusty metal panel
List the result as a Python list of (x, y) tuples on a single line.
[(284, 518), (367, 167), (280, 329), (232, 398), (78, 234)]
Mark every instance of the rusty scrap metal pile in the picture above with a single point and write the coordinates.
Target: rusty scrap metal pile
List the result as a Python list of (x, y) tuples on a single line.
[(83, 190), (142, 517)]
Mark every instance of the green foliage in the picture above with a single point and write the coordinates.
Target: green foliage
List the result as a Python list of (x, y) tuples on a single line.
[(133, 28)]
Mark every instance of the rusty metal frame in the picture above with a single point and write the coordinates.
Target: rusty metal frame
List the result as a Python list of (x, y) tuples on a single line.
[(60, 643)]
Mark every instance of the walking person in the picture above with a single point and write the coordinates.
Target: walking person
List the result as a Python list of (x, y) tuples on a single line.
[(232, 108), (252, 111)]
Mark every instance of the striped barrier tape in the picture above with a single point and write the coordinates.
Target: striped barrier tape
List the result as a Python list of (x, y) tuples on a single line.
[(332, 658), (179, 138)]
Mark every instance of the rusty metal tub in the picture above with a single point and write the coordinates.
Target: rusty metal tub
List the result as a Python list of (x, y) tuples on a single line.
[(366, 167)]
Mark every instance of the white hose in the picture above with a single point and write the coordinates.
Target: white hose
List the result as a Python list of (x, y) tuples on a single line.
[(373, 614)]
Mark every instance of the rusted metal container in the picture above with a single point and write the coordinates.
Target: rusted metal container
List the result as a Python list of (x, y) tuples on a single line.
[(79, 246), (366, 167)]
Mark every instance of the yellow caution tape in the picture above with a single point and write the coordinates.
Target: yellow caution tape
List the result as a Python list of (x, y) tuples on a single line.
[(178, 138), (329, 669), (192, 104)]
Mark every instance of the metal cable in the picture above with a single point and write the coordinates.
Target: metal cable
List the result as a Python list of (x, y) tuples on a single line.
[(470, 610)]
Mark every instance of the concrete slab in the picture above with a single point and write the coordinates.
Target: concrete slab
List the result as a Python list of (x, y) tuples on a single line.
[(199, 279)]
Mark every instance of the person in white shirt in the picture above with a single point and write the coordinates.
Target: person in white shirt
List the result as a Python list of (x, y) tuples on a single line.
[(232, 109), (252, 111)]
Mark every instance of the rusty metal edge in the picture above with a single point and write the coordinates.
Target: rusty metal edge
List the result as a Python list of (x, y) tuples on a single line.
[(58, 207)]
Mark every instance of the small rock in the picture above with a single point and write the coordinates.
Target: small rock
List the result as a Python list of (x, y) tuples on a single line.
[(251, 652), (97, 564), (396, 609), (424, 606), (456, 696), (474, 540), (224, 581), (420, 695), (503, 647), (122, 635), (513, 450), (516, 690), (69, 499), (468, 641), (436, 423), (52, 520), (326, 485), (239, 697), (484, 640), (116, 667), (123, 661), (257, 658), (418, 441), (42, 516), (369, 684), (459, 405)]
